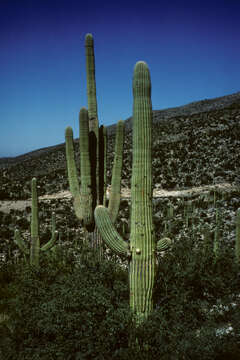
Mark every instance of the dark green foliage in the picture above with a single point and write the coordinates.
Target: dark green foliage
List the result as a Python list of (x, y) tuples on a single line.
[(79, 310), (66, 312)]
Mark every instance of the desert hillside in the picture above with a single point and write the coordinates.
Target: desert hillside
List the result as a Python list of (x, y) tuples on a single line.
[(196, 144)]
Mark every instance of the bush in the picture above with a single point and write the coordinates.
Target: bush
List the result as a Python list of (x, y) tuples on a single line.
[(76, 308), (67, 312)]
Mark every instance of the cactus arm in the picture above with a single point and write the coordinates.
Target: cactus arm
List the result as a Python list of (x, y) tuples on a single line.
[(105, 167), (20, 242), (164, 244), (72, 172), (115, 194), (102, 163), (91, 84), (108, 232), (71, 165), (86, 191), (237, 243), (50, 243), (92, 106), (35, 245), (53, 239), (142, 237)]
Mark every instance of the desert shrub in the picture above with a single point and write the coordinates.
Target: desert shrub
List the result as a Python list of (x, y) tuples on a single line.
[(64, 311), (74, 307)]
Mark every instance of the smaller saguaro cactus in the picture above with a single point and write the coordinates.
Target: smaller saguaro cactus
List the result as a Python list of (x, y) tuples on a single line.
[(35, 247), (237, 243), (216, 244), (207, 242)]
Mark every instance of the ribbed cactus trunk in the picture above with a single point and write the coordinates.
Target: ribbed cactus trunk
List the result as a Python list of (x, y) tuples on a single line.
[(86, 206), (142, 237), (141, 251), (237, 243), (114, 200), (92, 113)]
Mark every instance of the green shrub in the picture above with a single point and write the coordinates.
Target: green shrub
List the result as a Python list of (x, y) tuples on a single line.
[(73, 308), (67, 312)]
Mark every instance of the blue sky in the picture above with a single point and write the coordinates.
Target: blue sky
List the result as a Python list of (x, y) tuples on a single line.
[(191, 47)]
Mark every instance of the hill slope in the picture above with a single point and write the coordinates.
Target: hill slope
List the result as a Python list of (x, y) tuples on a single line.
[(195, 144)]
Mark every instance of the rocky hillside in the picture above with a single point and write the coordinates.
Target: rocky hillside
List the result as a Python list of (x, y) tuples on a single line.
[(195, 144)]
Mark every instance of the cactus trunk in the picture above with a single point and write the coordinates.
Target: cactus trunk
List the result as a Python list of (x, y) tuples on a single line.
[(141, 251), (237, 243), (35, 241), (142, 238), (92, 110), (115, 196)]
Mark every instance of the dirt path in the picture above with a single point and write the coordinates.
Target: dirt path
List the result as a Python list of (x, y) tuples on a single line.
[(7, 205)]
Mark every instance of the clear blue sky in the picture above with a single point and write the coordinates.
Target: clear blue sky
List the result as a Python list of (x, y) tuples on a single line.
[(191, 47)]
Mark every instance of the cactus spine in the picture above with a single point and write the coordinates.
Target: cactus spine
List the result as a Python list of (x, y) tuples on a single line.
[(142, 248), (35, 242)]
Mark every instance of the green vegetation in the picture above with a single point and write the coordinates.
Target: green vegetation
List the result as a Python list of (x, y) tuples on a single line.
[(73, 309)]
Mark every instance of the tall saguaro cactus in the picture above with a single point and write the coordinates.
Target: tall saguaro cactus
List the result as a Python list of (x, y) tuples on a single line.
[(93, 148), (35, 242), (142, 236), (141, 251)]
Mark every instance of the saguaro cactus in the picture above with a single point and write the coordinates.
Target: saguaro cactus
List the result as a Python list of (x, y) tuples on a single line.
[(93, 148), (141, 251), (217, 232), (84, 195), (35, 242), (237, 243)]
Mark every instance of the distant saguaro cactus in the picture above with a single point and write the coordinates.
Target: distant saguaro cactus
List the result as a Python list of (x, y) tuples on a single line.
[(237, 243), (35, 242), (141, 251)]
